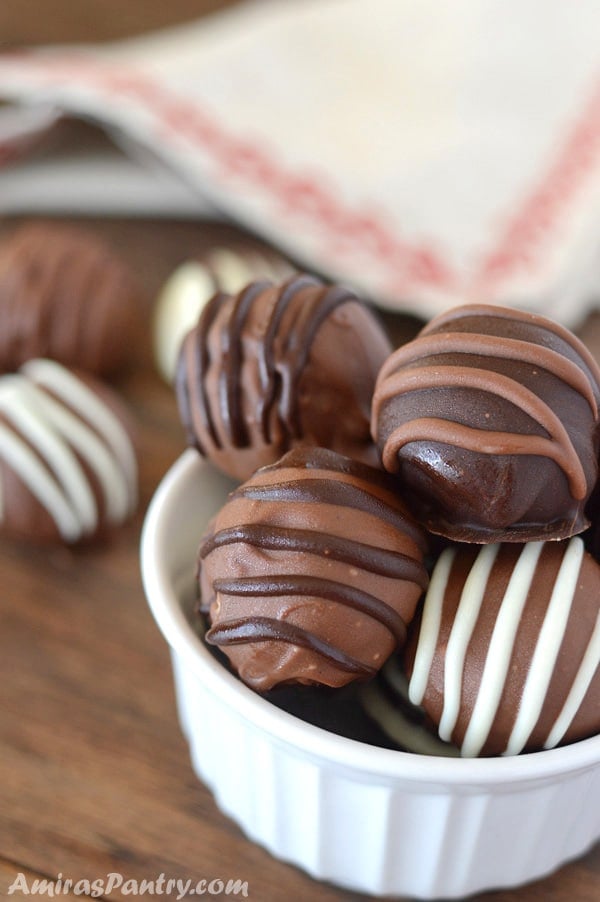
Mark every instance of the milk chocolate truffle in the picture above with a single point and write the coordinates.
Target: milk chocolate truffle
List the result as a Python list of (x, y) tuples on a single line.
[(65, 295), (193, 283), (506, 655), (490, 417), (311, 572), (277, 366), (68, 468)]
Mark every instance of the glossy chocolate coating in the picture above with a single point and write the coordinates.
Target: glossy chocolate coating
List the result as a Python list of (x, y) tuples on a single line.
[(274, 367), (311, 572), (490, 417), (505, 656), (68, 470), (65, 295)]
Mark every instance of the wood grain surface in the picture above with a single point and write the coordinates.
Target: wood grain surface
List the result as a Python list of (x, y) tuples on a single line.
[(94, 772), (27, 22)]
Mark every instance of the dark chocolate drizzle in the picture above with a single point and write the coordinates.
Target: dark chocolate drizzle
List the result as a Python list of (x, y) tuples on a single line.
[(200, 363), (230, 396), (282, 356), (300, 584), (312, 312), (384, 562), (273, 380), (265, 629), (328, 491), (306, 457)]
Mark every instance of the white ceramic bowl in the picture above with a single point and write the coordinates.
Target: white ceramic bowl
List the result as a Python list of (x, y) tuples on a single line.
[(368, 819)]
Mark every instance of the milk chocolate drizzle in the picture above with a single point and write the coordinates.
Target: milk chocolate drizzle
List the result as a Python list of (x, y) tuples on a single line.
[(530, 320), (283, 356), (494, 346)]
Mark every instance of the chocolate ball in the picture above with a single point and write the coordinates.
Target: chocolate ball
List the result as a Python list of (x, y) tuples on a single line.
[(311, 572), (278, 366), (490, 418), (68, 470), (505, 656), (65, 295)]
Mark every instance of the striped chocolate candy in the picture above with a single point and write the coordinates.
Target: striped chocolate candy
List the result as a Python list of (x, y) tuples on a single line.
[(66, 295), (275, 366), (490, 416), (505, 655), (311, 572), (68, 469)]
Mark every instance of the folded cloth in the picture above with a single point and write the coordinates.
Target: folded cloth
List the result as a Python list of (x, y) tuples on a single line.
[(428, 153)]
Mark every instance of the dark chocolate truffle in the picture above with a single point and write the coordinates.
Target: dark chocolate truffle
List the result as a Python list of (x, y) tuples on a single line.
[(505, 657), (68, 468), (65, 295), (490, 417), (311, 572), (274, 367)]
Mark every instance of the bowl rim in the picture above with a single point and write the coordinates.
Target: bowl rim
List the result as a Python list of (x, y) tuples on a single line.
[(287, 728)]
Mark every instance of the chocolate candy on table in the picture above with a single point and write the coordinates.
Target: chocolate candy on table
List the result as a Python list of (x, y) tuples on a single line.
[(311, 572), (64, 294), (278, 366), (68, 470), (490, 418), (505, 656)]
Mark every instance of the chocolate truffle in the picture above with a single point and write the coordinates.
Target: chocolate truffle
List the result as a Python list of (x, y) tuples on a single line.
[(490, 417), (68, 469), (67, 296), (311, 572), (505, 656), (278, 366), (193, 283)]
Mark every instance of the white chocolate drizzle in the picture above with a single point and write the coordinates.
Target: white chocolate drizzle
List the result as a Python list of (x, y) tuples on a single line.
[(581, 684), (466, 617), (54, 428), (430, 626), (500, 649), (497, 662), (547, 647)]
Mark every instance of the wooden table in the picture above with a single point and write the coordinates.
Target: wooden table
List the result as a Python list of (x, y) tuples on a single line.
[(94, 772)]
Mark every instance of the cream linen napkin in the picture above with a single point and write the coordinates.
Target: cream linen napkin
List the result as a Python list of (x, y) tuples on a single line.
[(430, 153)]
